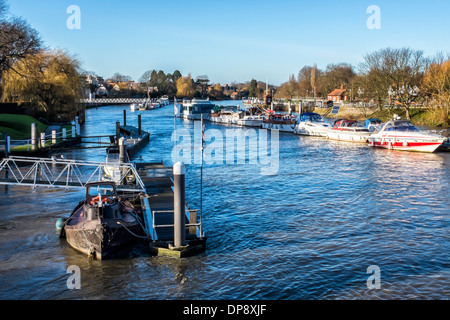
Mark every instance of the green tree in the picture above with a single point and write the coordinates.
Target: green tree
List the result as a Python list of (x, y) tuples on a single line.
[(252, 88)]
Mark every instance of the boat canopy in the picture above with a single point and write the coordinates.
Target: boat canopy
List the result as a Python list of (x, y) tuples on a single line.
[(310, 116)]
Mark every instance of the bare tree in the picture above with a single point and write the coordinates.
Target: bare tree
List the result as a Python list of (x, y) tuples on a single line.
[(17, 40), (397, 71)]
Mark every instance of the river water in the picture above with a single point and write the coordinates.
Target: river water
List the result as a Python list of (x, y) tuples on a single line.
[(309, 231)]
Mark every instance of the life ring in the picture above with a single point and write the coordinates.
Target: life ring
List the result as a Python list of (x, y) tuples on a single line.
[(95, 199)]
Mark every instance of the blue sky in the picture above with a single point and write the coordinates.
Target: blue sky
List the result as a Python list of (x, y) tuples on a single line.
[(233, 40)]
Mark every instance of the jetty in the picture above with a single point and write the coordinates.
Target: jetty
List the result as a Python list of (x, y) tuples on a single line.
[(156, 191)]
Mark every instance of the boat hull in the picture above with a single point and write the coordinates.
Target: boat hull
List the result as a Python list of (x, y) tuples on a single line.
[(312, 130), (283, 127), (357, 137), (100, 238), (404, 144)]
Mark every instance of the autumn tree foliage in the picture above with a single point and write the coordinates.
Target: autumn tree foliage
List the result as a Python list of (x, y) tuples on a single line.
[(49, 80), (436, 86), (185, 87)]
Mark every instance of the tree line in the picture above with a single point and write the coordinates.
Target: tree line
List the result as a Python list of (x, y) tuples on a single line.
[(389, 77)]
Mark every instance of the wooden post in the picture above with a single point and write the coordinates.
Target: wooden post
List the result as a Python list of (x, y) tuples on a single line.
[(124, 117), (139, 124)]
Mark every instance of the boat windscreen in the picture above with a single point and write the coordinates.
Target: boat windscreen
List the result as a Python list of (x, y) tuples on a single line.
[(401, 126)]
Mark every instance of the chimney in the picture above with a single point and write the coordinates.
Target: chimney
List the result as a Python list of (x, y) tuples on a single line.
[(342, 86)]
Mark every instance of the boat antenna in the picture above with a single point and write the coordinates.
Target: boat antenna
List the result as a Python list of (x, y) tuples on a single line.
[(175, 111), (201, 164)]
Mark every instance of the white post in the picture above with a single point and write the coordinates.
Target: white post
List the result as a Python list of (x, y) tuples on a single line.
[(33, 136), (53, 136), (8, 144), (77, 124), (179, 172), (42, 139), (64, 133), (73, 128)]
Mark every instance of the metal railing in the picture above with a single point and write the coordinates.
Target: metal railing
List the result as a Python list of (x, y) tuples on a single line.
[(198, 224), (66, 173)]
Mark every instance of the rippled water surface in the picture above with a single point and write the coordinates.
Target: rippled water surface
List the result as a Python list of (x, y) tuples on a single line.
[(309, 232)]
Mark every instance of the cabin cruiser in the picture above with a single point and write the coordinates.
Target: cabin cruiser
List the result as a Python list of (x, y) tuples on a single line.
[(403, 135), (226, 115), (312, 124), (251, 121), (348, 130), (281, 122), (196, 108)]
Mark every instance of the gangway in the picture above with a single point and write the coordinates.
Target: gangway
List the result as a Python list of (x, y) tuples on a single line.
[(66, 173)]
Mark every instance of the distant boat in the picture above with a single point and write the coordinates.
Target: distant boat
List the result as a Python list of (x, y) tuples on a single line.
[(226, 115), (251, 121), (403, 135), (312, 124), (281, 122), (133, 107), (195, 108), (348, 130)]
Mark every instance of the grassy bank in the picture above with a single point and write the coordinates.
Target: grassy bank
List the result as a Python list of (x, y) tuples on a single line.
[(18, 126), (420, 117)]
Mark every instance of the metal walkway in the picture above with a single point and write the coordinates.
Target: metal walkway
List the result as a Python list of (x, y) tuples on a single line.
[(62, 173)]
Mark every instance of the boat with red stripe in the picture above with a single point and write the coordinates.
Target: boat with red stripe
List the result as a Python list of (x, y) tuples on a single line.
[(402, 135)]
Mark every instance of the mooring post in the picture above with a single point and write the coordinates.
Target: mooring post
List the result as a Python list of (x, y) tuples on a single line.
[(42, 139), (7, 143), (139, 124), (53, 136), (64, 133), (74, 133), (117, 132), (124, 117), (122, 150), (179, 172), (33, 136), (77, 126)]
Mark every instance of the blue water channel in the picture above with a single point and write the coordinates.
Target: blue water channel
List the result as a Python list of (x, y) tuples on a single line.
[(308, 230)]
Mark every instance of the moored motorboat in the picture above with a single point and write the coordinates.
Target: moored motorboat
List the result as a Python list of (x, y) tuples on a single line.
[(195, 109), (102, 224), (348, 130), (281, 122), (312, 124), (403, 135)]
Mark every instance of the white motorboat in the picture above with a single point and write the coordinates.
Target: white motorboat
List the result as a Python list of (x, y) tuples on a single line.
[(281, 122), (403, 135), (251, 121), (312, 124), (195, 108), (348, 130)]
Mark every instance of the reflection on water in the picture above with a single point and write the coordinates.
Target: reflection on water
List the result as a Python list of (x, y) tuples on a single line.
[(309, 232)]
